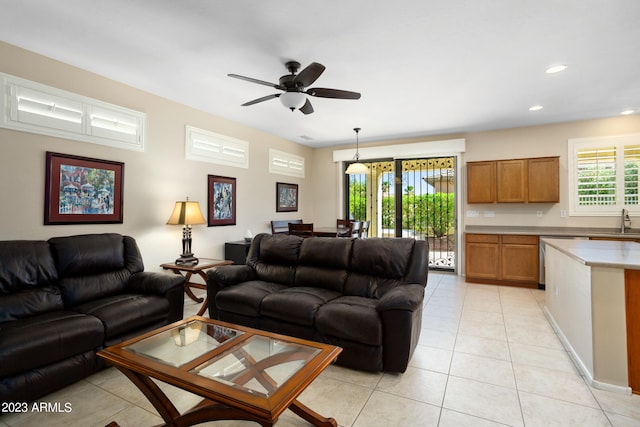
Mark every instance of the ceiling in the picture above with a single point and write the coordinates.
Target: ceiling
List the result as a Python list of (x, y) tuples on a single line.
[(423, 67)]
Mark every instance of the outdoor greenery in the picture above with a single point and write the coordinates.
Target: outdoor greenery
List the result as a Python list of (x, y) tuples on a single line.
[(598, 184), (427, 214)]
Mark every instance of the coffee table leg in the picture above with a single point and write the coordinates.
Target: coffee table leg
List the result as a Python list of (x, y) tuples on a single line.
[(311, 416), (158, 399)]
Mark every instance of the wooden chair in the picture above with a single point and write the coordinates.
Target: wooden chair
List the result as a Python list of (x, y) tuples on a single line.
[(302, 230), (344, 227), (356, 229), (282, 226), (364, 233)]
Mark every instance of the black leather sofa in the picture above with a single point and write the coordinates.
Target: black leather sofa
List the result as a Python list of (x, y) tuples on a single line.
[(364, 295), (63, 299)]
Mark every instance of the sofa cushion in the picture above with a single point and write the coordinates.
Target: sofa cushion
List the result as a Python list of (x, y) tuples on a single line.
[(246, 298), (30, 302), (126, 312), (41, 340), (88, 254), (377, 265), (381, 257), (326, 252), (25, 265), (280, 249), (352, 318), (92, 266), (296, 305)]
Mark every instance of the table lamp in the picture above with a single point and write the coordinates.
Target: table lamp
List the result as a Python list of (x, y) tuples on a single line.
[(186, 213)]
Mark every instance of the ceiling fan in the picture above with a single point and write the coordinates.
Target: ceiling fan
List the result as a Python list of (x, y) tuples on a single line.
[(295, 87)]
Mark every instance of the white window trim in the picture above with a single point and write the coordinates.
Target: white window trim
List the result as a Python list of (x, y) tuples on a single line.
[(283, 163), (206, 146), (619, 141), (36, 108)]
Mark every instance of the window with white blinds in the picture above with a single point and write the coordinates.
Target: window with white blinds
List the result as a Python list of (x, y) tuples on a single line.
[(33, 107), (603, 175), (207, 146), (283, 163)]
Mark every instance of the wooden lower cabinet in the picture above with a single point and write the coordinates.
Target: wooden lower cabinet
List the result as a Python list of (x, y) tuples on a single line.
[(502, 259), (632, 304)]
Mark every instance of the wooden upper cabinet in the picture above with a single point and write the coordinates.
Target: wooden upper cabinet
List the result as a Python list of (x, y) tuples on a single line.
[(481, 182), (544, 180), (533, 180), (512, 181)]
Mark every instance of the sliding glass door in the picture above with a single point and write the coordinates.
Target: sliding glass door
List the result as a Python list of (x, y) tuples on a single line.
[(408, 198)]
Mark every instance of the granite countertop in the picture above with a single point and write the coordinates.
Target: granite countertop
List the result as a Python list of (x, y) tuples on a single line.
[(599, 253), (554, 231)]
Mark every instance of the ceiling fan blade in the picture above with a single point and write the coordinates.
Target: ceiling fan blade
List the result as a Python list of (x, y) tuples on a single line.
[(260, 82), (332, 93), (264, 98), (307, 108), (310, 74)]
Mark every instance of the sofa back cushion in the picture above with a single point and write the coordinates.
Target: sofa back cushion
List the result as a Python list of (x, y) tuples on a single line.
[(274, 257), (27, 278), (379, 264), (92, 266), (323, 263)]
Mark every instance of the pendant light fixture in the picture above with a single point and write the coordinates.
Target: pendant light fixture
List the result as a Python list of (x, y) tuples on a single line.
[(357, 167)]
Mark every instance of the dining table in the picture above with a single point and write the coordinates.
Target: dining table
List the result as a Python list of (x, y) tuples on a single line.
[(329, 231)]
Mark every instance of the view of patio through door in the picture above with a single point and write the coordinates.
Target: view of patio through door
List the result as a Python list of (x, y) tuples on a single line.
[(425, 208)]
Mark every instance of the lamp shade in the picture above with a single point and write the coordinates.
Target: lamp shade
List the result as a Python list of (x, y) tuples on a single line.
[(293, 100), (356, 168), (186, 213)]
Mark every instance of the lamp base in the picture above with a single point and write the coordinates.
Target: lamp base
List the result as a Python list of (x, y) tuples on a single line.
[(187, 259)]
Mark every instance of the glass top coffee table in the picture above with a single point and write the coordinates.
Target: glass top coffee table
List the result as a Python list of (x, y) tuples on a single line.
[(242, 373)]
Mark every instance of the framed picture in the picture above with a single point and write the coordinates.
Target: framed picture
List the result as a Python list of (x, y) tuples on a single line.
[(222, 200), (286, 197), (80, 190)]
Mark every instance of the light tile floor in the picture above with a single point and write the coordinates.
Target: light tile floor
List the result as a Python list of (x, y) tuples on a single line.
[(487, 357)]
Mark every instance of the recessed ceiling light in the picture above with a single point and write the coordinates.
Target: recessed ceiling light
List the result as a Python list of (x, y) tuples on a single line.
[(536, 108), (627, 112), (556, 69)]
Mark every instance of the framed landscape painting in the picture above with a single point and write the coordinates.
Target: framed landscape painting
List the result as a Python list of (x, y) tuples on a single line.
[(81, 190), (221, 192), (286, 197)]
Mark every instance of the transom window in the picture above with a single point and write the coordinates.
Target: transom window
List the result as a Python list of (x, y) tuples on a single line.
[(603, 175)]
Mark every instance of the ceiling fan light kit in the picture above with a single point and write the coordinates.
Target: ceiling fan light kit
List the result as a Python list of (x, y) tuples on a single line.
[(295, 87), (292, 100)]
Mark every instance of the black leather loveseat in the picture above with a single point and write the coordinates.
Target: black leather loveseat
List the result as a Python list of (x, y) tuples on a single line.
[(65, 298), (364, 295)]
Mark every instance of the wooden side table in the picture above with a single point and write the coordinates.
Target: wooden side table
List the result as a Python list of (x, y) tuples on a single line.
[(200, 270)]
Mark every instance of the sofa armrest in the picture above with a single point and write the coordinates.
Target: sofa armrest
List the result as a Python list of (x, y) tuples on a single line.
[(169, 286), (406, 297), (148, 282), (227, 275), (401, 313)]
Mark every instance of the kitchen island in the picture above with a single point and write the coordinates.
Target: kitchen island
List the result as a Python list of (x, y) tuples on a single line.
[(591, 299)]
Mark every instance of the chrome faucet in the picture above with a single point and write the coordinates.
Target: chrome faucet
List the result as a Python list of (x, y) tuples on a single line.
[(625, 221)]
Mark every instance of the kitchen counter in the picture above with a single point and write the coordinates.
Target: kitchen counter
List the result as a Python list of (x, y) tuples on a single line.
[(633, 233), (599, 253), (586, 304)]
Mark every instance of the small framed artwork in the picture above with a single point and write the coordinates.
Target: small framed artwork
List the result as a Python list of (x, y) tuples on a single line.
[(286, 197), (221, 192), (81, 190)]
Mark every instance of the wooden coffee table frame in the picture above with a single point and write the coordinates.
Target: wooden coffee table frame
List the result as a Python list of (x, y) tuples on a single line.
[(222, 401)]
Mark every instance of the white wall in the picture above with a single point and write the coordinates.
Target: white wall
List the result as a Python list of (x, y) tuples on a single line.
[(153, 179), (534, 141)]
